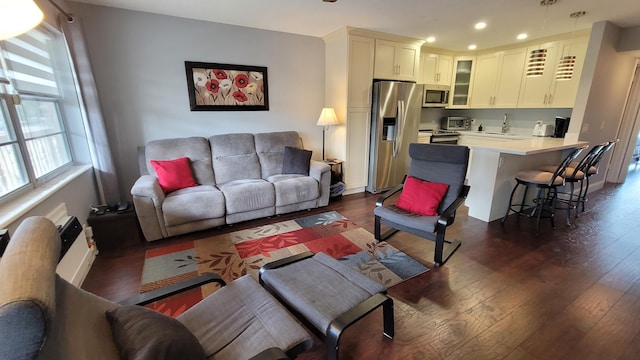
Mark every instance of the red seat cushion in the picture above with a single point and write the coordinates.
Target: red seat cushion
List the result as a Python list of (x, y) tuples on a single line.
[(174, 174), (421, 197)]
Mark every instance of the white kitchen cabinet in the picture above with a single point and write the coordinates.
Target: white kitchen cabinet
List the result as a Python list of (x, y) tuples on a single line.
[(546, 90), (497, 78), (435, 68), (396, 61), (349, 62), (360, 71), (358, 133), (462, 82)]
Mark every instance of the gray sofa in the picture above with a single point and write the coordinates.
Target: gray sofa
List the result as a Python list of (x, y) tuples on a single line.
[(240, 178)]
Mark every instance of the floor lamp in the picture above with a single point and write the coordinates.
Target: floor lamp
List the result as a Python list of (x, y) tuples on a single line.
[(327, 118)]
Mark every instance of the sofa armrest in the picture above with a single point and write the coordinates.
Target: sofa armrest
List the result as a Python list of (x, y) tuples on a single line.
[(322, 173), (149, 187), (317, 169), (148, 198)]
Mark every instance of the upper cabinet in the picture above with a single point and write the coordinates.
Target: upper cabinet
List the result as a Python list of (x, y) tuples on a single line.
[(435, 69), (360, 71), (553, 80), (396, 61), (462, 82), (497, 79)]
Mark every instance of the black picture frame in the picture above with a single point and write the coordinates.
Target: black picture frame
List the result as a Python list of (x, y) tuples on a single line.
[(226, 87)]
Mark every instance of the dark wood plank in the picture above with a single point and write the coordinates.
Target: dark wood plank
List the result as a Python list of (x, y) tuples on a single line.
[(572, 292)]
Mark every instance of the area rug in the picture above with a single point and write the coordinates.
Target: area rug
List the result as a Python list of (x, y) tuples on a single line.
[(243, 252)]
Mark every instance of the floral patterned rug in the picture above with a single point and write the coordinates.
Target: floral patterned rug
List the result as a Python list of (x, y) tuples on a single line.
[(243, 252)]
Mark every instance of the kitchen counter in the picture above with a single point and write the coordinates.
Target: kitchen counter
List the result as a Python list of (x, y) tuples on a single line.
[(516, 144), (494, 164)]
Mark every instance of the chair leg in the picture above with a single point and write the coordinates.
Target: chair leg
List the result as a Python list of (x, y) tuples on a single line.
[(586, 190), (348, 318), (504, 218), (376, 230), (540, 199), (570, 203), (444, 248), (388, 318)]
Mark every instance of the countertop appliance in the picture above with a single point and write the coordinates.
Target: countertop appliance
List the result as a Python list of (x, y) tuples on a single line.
[(435, 96), (455, 123), (543, 129), (562, 125), (395, 118)]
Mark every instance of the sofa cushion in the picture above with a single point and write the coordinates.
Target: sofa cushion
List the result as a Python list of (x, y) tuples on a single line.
[(248, 195), (195, 148), (293, 189), (270, 149), (141, 333), (234, 157), (174, 174), (193, 204), (296, 161)]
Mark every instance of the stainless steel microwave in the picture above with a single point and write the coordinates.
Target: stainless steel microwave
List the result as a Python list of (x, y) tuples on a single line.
[(455, 123), (435, 96)]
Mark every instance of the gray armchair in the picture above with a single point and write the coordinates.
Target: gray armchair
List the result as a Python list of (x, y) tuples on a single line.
[(438, 163), (43, 316)]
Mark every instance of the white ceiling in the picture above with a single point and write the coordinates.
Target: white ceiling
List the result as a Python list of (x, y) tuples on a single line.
[(450, 21)]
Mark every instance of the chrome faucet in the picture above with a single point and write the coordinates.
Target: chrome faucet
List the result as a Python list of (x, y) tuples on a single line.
[(505, 124)]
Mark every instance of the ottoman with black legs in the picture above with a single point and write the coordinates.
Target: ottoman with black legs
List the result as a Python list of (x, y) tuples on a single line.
[(326, 295)]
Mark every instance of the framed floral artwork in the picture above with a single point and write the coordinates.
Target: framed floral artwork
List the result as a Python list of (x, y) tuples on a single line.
[(226, 87)]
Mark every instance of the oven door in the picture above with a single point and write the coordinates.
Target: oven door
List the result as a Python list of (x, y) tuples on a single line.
[(444, 139)]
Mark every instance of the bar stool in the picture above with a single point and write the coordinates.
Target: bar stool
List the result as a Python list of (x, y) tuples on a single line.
[(593, 169), (547, 184), (576, 173)]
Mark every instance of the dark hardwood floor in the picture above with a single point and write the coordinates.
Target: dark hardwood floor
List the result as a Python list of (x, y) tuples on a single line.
[(568, 293)]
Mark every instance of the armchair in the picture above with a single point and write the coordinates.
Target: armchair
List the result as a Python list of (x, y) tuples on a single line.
[(438, 163), (43, 316)]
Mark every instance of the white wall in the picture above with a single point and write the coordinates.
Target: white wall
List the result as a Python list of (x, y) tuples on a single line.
[(608, 74), (138, 61)]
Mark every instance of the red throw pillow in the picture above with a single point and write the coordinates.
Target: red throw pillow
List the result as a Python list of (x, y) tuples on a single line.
[(174, 174), (421, 197)]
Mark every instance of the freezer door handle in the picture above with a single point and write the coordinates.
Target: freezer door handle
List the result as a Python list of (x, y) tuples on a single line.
[(400, 128)]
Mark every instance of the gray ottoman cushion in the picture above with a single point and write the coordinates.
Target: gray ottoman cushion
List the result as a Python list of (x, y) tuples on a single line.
[(321, 288), (193, 204), (248, 195), (259, 319)]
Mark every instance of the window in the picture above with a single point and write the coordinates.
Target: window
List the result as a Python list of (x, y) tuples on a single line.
[(33, 140)]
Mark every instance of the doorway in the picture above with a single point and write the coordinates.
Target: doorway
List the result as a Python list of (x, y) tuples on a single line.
[(627, 149)]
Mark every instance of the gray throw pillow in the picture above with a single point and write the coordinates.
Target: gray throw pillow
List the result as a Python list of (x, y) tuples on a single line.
[(141, 333), (296, 161)]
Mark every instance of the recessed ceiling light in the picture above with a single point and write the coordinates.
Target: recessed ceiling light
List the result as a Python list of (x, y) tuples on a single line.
[(472, 47), (522, 36), (481, 25), (431, 39)]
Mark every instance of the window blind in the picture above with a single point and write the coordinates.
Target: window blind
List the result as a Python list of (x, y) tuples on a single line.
[(29, 65)]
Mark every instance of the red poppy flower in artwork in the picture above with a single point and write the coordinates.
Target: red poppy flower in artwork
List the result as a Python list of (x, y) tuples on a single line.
[(262, 87), (213, 86), (239, 96), (220, 74), (241, 80)]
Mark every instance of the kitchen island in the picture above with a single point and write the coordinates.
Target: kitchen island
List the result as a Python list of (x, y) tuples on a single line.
[(494, 162)]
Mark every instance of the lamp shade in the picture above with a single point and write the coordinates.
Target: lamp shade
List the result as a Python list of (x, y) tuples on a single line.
[(17, 17), (327, 117)]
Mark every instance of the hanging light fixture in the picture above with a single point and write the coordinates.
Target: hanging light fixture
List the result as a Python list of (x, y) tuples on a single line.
[(17, 17), (568, 62), (538, 57)]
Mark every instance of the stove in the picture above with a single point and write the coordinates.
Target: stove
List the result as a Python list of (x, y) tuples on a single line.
[(439, 136)]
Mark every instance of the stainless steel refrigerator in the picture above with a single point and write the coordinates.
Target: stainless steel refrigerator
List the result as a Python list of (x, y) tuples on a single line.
[(395, 119)]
